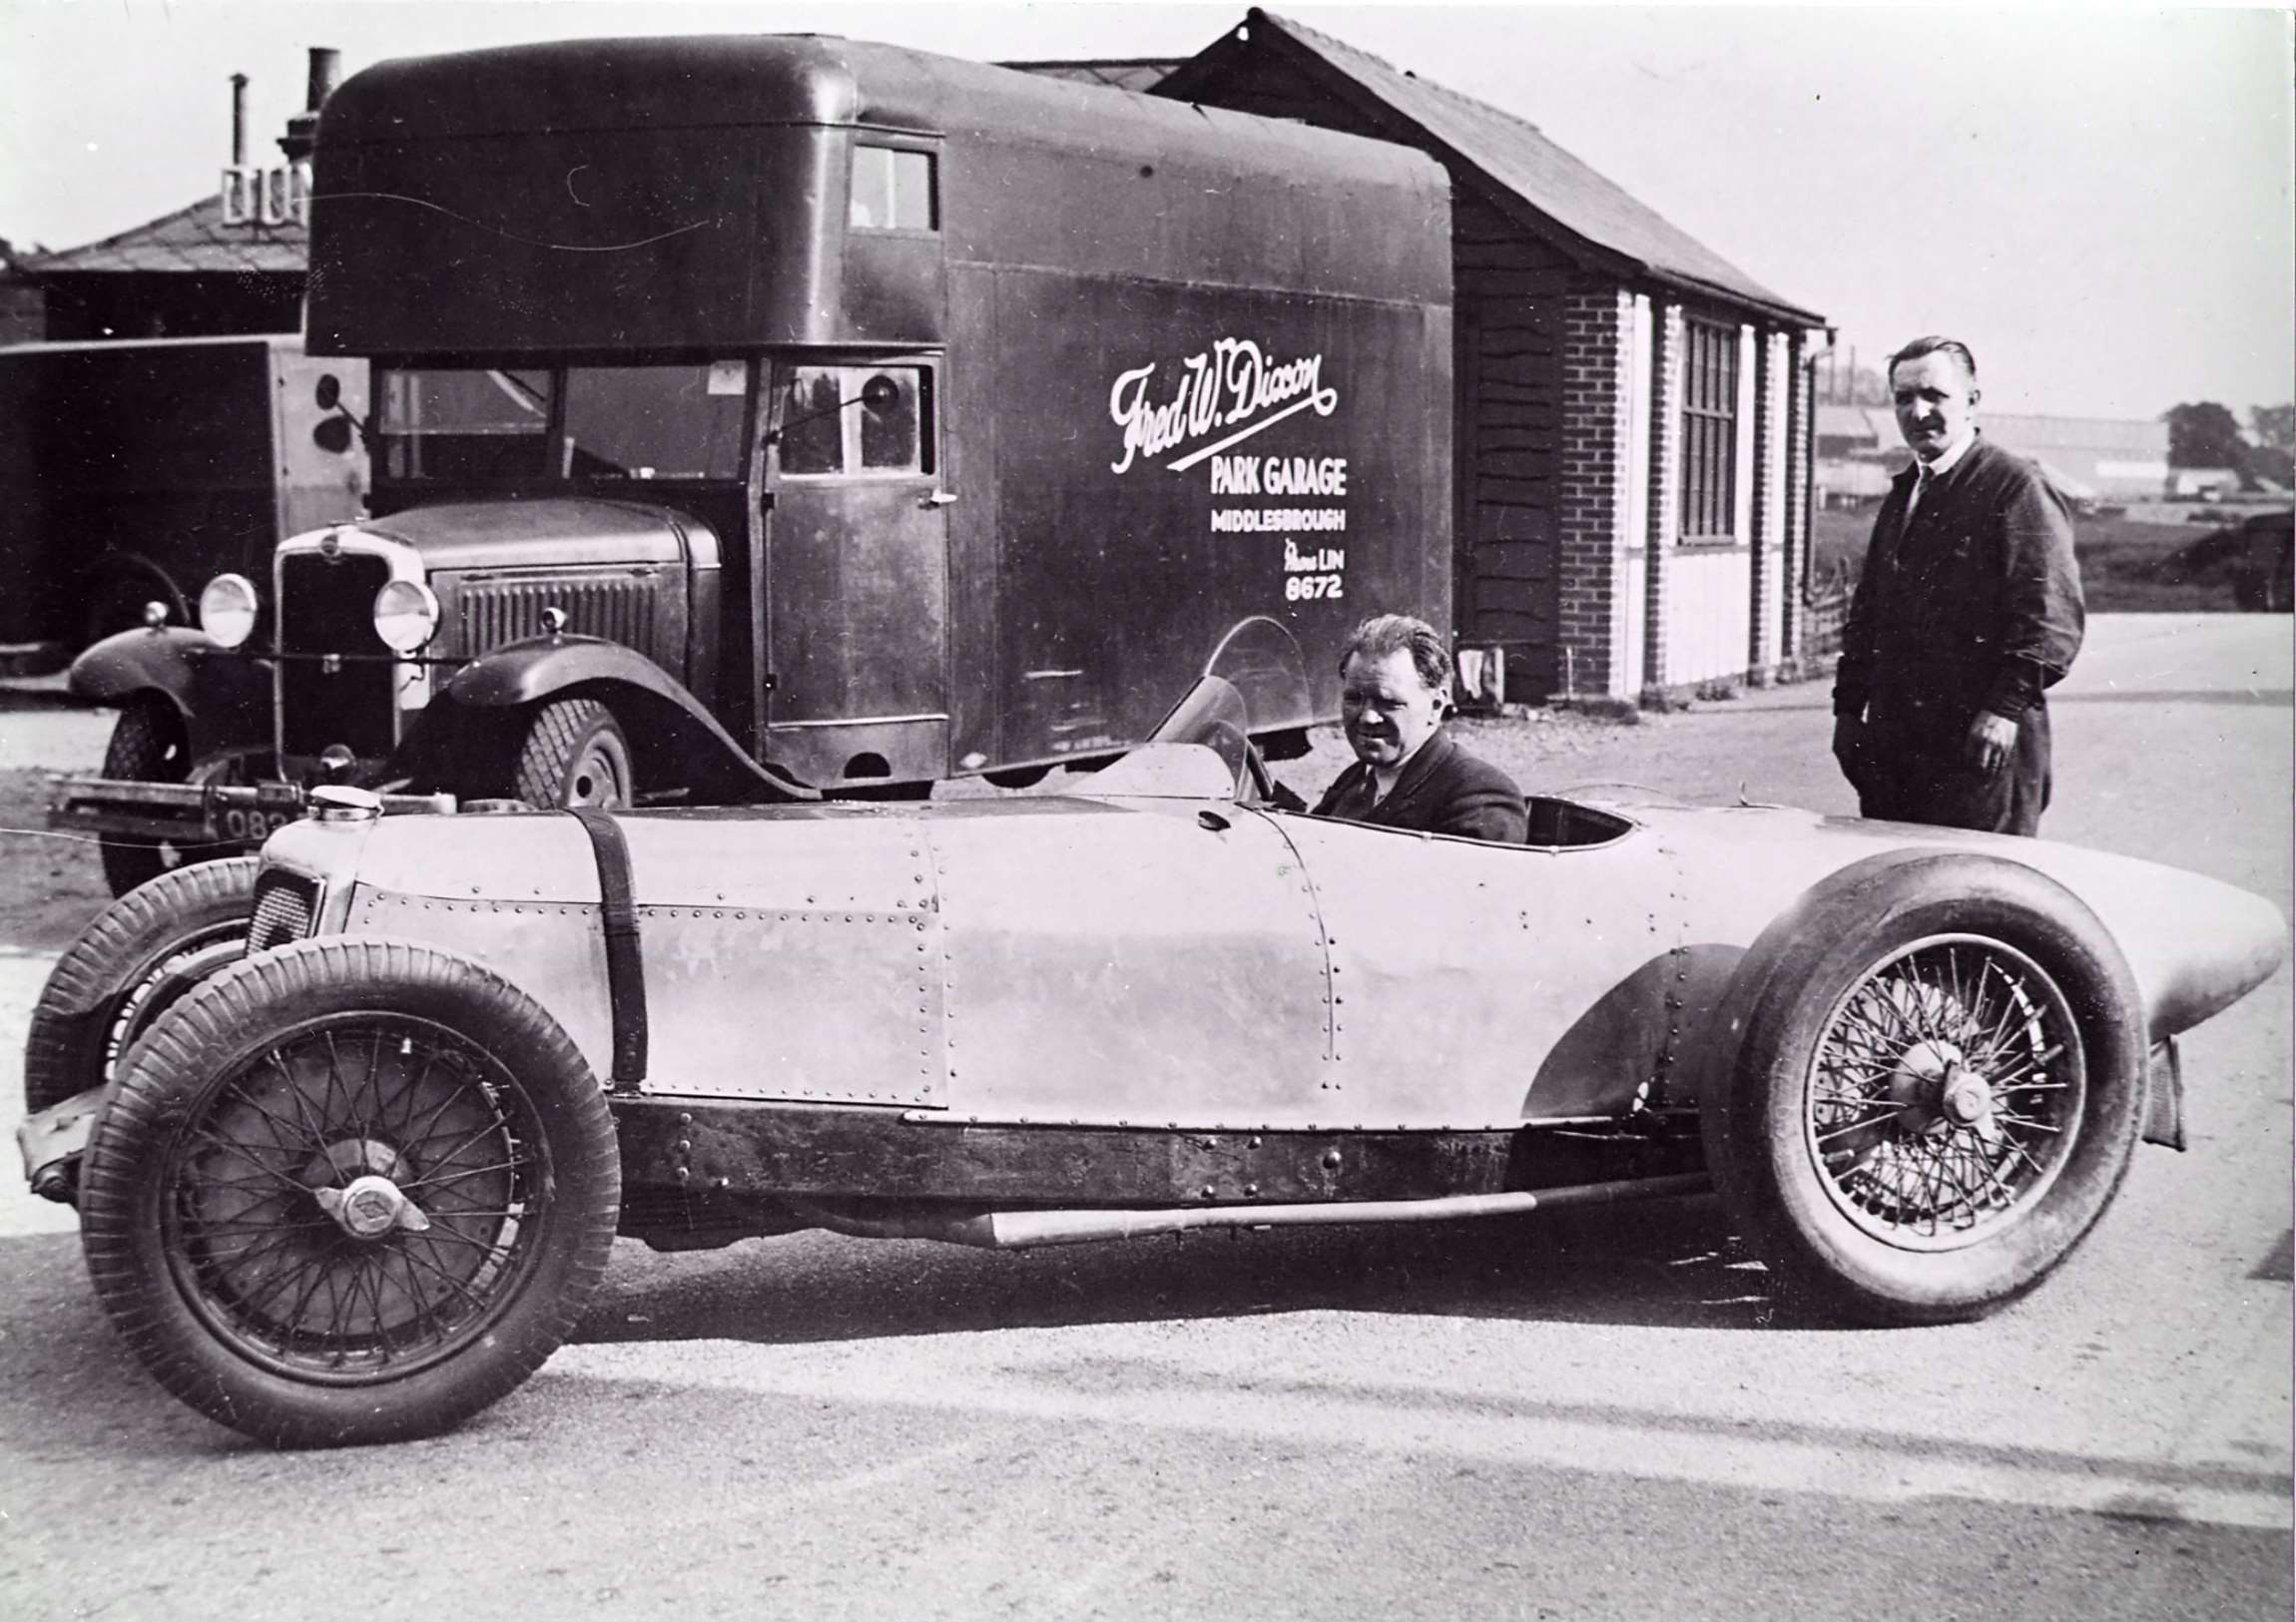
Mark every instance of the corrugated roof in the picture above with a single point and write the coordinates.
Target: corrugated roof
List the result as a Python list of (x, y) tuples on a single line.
[(1876, 424), (1521, 164), (194, 238), (1138, 75)]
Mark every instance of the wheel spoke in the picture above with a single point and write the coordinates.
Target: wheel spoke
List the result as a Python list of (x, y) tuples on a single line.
[(225, 1146), (446, 1277), (438, 1180), (352, 1096), (1888, 1082)]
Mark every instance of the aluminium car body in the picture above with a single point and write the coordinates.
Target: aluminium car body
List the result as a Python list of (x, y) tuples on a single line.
[(357, 1186)]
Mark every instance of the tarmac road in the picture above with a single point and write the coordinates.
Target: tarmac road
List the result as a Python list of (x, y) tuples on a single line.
[(1584, 1415)]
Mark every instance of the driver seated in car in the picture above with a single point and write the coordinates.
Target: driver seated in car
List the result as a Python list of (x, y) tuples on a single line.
[(1395, 686)]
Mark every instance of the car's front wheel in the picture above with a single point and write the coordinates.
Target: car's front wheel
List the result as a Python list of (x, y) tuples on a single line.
[(348, 1192), (140, 956), (1939, 1089)]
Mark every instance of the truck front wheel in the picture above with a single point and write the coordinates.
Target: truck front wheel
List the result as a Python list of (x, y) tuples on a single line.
[(574, 754), (147, 745)]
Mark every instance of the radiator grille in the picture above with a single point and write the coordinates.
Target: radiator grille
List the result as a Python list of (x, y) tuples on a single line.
[(328, 608), (282, 910), (620, 609)]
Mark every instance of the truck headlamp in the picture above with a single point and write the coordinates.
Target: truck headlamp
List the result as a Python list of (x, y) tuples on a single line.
[(228, 610), (405, 615)]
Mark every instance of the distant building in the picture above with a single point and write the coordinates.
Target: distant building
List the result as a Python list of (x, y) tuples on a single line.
[(232, 263), (23, 313), (2089, 460)]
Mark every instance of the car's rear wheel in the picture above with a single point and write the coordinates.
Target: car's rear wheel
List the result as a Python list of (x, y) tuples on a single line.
[(137, 961), (348, 1192), (147, 745), (574, 753), (1938, 1093)]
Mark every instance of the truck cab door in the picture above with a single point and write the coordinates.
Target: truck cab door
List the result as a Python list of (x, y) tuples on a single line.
[(855, 573)]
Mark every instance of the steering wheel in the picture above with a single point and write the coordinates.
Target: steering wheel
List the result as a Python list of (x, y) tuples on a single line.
[(1266, 791)]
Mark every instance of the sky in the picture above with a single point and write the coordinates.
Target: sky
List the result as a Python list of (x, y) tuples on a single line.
[(2099, 202)]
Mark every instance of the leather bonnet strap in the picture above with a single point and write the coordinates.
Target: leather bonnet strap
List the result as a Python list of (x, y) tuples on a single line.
[(625, 961)]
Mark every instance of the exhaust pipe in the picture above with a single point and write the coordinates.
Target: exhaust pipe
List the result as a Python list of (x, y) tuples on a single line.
[(1020, 1230)]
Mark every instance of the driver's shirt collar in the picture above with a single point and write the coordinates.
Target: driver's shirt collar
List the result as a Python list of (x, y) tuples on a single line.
[(1384, 782), (1953, 453)]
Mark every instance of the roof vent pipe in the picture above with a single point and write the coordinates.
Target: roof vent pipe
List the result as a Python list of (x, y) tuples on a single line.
[(325, 73), (239, 120), (302, 129)]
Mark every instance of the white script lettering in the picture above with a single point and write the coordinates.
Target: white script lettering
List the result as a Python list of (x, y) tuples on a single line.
[(1233, 385)]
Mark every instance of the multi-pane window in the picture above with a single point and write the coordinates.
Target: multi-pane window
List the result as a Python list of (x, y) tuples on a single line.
[(854, 421), (1709, 431), (891, 191)]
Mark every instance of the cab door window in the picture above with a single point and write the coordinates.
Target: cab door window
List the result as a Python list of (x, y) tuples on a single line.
[(855, 421)]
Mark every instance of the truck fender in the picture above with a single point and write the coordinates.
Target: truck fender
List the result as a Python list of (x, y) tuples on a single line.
[(676, 739), (146, 660), (225, 702)]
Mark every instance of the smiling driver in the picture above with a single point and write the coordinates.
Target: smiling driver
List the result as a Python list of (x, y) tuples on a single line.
[(1395, 677)]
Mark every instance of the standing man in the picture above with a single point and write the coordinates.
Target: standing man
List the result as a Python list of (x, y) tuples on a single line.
[(1967, 610), (1394, 683)]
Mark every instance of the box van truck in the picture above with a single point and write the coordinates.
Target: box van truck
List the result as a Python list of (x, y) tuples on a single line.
[(764, 417)]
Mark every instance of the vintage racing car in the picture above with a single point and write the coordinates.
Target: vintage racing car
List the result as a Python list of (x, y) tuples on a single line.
[(360, 1182)]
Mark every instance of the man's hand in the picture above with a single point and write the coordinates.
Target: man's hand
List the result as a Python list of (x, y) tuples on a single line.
[(1989, 741), (1848, 744)]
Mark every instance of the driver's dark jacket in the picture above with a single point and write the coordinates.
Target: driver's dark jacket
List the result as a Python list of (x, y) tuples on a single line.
[(1975, 603), (1442, 790)]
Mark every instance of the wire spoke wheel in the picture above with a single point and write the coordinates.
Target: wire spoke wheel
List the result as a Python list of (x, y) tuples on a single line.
[(359, 1201), (1938, 1086), (143, 954), (349, 1191), (1945, 1092)]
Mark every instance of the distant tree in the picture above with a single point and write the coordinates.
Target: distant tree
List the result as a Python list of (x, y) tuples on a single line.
[(2273, 425), (2203, 435)]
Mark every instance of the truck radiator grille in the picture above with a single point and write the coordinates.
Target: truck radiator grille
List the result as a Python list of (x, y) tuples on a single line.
[(328, 608), (499, 611), (282, 910)]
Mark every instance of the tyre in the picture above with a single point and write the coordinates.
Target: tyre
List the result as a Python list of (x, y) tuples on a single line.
[(1938, 1088), (138, 959), (574, 754), (147, 745), (349, 1192)]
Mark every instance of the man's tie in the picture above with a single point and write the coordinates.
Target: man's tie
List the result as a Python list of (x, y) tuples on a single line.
[(1923, 479)]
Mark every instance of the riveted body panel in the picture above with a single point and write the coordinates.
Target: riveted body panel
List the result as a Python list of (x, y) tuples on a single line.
[(1152, 964), (1190, 962), (1459, 967)]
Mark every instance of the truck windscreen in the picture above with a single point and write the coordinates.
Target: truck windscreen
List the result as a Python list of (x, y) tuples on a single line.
[(465, 425)]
